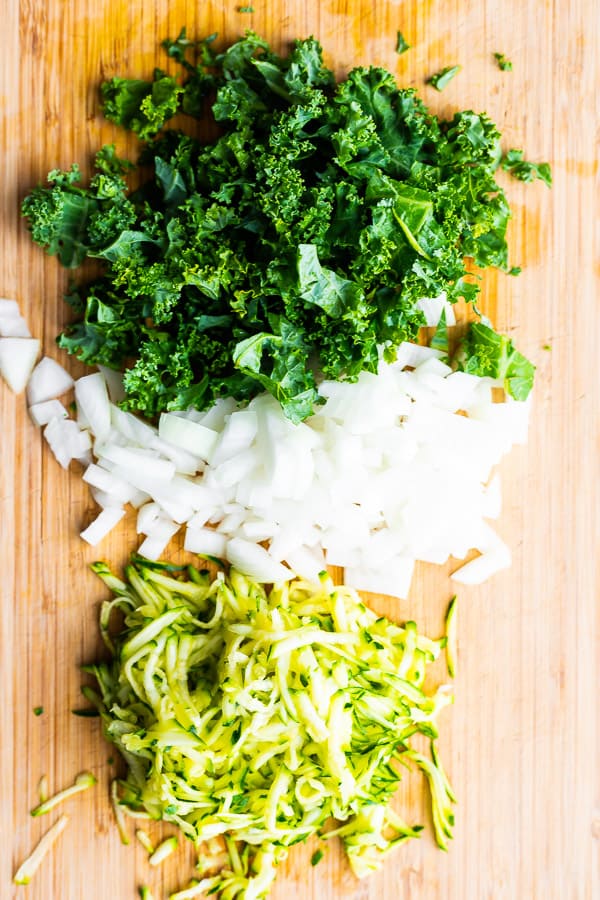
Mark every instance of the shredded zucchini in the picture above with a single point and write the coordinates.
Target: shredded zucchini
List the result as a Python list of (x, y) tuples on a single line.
[(145, 840), (43, 789), (451, 639), (259, 716), (163, 850), (29, 867), (83, 781)]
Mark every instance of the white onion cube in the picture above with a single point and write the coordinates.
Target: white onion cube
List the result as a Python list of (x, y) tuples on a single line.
[(14, 326), (17, 359), (92, 397), (102, 525), (205, 542), (191, 436), (48, 381), (43, 412)]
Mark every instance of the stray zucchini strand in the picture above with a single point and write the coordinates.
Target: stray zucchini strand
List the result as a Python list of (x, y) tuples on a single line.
[(29, 867), (82, 783), (451, 638)]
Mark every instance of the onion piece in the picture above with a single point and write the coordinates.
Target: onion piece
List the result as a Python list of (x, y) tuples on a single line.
[(483, 567), (17, 359), (432, 308), (394, 580), (191, 436), (101, 525), (157, 539), (65, 440), (44, 412), (92, 397), (205, 542), (143, 462), (48, 381), (254, 561), (9, 308), (114, 383), (111, 484), (14, 326)]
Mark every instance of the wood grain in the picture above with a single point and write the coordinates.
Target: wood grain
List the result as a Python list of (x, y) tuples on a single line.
[(520, 742)]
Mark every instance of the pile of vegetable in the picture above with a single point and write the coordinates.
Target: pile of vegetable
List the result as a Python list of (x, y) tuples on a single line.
[(393, 468), (293, 247), (260, 716), (259, 303)]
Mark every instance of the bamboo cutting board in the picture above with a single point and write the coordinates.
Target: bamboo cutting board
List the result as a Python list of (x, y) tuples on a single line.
[(519, 743)]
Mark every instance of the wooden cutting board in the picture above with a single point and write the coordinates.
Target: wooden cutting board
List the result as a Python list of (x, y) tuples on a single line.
[(520, 740)]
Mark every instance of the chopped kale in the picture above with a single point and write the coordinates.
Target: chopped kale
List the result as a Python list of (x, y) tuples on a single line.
[(441, 79), (293, 246), (515, 163), (503, 63)]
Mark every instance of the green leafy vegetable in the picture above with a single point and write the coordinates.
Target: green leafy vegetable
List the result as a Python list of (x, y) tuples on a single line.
[(401, 44), (260, 716), (38, 710), (441, 79), (520, 168), (488, 353), (503, 63), (316, 858), (293, 246)]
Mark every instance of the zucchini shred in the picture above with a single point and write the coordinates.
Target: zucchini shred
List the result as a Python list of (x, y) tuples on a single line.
[(256, 717)]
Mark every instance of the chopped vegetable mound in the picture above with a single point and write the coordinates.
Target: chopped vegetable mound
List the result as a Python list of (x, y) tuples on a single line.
[(292, 246), (259, 716)]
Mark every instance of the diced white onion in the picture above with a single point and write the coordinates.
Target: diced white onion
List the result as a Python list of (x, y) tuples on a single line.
[(393, 468), (147, 516), (114, 383), (43, 412), (9, 308), (102, 525), (14, 326), (190, 436), (91, 396), (17, 359), (255, 561), (483, 567), (432, 308), (205, 541), (65, 440), (159, 535), (48, 381)]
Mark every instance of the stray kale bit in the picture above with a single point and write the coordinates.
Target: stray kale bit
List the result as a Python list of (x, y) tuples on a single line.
[(520, 168), (487, 353), (514, 270), (316, 857), (401, 45), (503, 63), (38, 710), (441, 79), (246, 9), (292, 247)]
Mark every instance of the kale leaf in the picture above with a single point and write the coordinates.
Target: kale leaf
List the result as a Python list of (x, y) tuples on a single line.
[(441, 79), (488, 353), (294, 245), (515, 163)]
